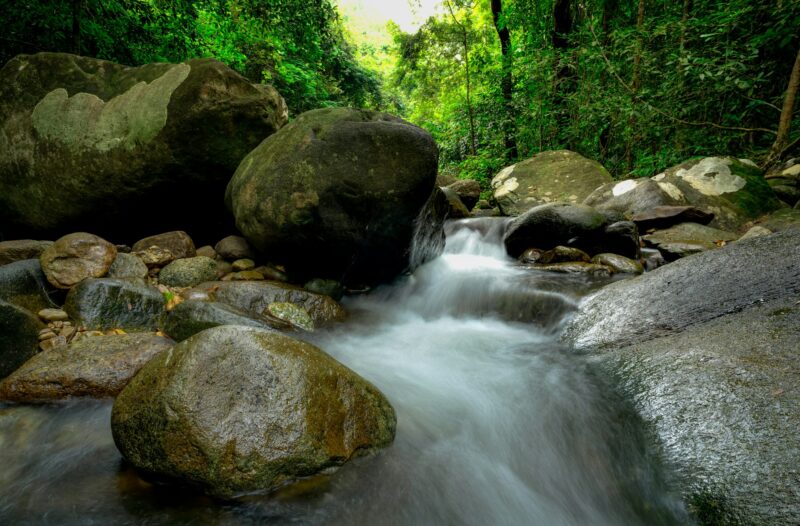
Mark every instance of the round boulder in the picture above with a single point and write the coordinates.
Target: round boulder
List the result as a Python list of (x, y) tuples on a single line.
[(237, 409), (547, 177), (339, 185), (76, 257), (188, 272), (547, 226)]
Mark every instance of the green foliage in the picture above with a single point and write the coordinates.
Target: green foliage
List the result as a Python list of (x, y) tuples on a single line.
[(297, 45)]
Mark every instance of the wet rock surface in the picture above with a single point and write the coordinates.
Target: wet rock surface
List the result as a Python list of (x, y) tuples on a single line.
[(110, 303), (76, 257), (237, 409), (19, 337), (192, 316), (21, 249), (24, 284), (98, 366)]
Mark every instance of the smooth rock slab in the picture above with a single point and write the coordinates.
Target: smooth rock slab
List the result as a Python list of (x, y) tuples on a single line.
[(256, 296), (97, 367), (237, 409), (19, 337), (110, 303)]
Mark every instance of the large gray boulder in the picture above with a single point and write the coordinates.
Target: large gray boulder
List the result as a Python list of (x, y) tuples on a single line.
[(335, 194), (547, 177), (238, 409), (707, 348), (551, 225), (86, 144)]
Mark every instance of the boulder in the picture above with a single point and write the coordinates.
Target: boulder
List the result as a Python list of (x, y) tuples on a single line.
[(618, 264), (547, 226), (468, 191), (686, 239), (178, 243), (110, 303), (97, 367), (784, 219), (238, 409), (192, 316), (429, 237), (561, 254), (634, 196), (575, 267), (328, 287), (734, 191), (19, 337), (660, 217), (21, 249), (76, 257), (127, 266), (24, 284), (256, 296), (188, 272), (706, 348), (116, 140), (547, 177), (232, 248), (207, 251), (296, 317), (340, 182), (457, 209), (785, 181), (756, 231)]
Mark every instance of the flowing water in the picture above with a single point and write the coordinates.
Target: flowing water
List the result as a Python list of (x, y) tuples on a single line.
[(497, 422)]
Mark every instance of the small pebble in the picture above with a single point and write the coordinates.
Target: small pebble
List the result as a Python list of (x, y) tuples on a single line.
[(53, 315), (57, 324), (67, 332), (46, 334)]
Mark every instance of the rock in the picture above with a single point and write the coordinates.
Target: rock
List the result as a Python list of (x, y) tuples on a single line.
[(686, 239), (620, 238), (756, 231), (207, 251), (468, 190), (224, 268), (56, 342), (661, 217), (706, 348), (547, 226), (532, 255), (24, 284), (457, 209), (76, 257), (785, 181), (97, 367), (244, 275), (483, 204), (634, 196), (296, 316), (652, 258), (127, 266), (233, 248), (561, 254), (178, 243), (89, 144), (443, 180), (735, 192), (192, 316), (21, 249), (429, 236), (575, 267), (782, 220), (547, 177), (188, 272), (237, 409), (272, 273), (328, 287), (110, 303), (618, 264), (19, 337), (340, 182), (154, 258), (243, 264), (255, 296), (53, 315)]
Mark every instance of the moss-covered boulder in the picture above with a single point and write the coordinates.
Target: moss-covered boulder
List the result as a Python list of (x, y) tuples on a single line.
[(256, 296), (24, 284), (98, 366), (110, 303), (237, 409), (86, 144), (707, 350), (127, 266), (190, 317), (188, 272), (734, 191), (19, 336), (342, 183), (547, 177)]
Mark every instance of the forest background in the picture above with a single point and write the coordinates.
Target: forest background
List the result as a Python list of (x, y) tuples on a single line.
[(638, 85)]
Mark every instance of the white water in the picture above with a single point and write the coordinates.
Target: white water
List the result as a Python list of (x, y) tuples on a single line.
[(497, 423)]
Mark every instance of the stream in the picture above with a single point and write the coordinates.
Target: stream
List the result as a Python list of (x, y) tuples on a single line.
[(498, 423)]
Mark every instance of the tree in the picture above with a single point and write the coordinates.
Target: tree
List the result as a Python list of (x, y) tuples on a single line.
[(507, 83), (785, 122), (465, 40)]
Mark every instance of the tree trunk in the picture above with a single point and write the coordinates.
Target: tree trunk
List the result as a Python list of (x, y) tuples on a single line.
[(465, 42), (77, 7), (785, 124), (562, 27), (635, 83), (507, 83)]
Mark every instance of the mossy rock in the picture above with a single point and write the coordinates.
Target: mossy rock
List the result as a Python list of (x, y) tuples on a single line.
[(238, 409), (110, 303), (19, 337), (24, 284), (188, 272), (190, 317)]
